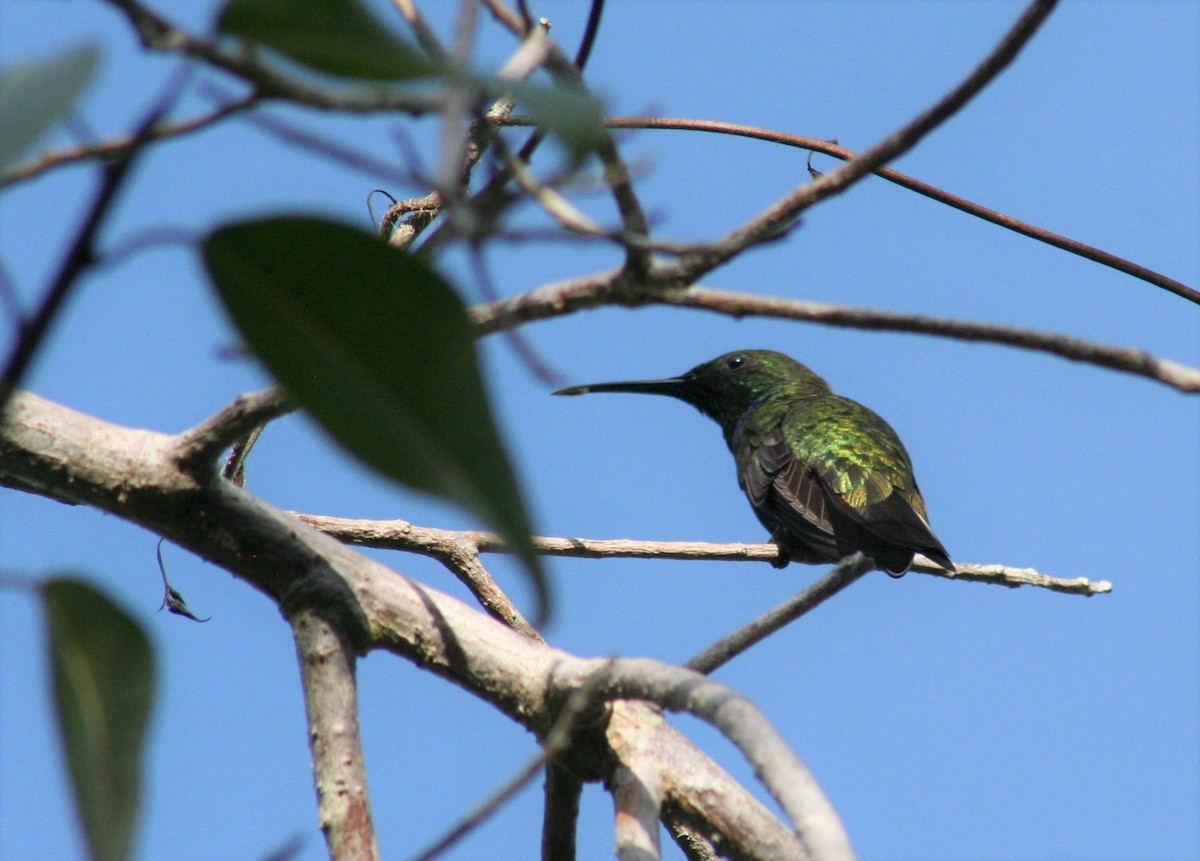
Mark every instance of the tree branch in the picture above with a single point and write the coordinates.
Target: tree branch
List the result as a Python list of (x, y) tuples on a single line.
[(402, 535), (159, 34), (727, 648), (782, 214), (200, 446), (120, 147), (81, 255), (62, 454), (560, 816), (463, 561), (781, 772), (635, 785), (331, 704), (1130, 361), (830, 148), (597, 290)]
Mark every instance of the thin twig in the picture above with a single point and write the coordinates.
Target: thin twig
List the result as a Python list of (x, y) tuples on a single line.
[(729, 647), (326, 147), (1132, 361), (831, 148), (590, 31), (118, 147), (425, 35), (784, 212), (402, 535), (557, 740), (158, 33), (9, 298), (463, 561), (82, 255), (198, 448), (525, 351), (596, 290)]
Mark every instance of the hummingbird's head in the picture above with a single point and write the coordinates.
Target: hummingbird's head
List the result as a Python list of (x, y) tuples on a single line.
[(733, 383), (727, 386)]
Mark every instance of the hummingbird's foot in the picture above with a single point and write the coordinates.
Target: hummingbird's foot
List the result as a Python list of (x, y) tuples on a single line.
[(782, 559)]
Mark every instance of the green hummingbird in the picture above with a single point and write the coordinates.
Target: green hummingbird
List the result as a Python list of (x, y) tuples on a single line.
[(825, 475)]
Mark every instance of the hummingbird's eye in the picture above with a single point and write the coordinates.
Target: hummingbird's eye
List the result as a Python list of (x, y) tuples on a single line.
[(735, 361)]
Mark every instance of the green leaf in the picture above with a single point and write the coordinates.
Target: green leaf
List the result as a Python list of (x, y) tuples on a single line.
[(338, 37), (378, 348), (102, 667), (572, 115), (34, 97)]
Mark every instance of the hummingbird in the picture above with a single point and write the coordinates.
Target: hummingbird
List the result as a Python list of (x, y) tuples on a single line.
[(825, 475)]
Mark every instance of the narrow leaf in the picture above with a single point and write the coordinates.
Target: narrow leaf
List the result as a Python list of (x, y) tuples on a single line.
[(338, 37), (378, 348), (102, 667), (35, 96), (572, 115)]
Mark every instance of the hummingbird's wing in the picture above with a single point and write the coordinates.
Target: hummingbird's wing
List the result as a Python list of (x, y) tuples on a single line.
[(831, 477), (789, 499)]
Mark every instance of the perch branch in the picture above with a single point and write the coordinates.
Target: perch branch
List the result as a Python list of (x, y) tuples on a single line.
[(134, 474), (402, 535)]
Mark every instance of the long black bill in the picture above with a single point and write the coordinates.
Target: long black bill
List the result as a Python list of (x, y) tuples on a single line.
[(675, 387)]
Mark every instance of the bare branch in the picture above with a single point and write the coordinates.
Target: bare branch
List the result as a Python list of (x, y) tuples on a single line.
[(830, 148), (695, 794), (120, 147), (1131, 361), (616, 173), (727, 648), (426, 38), (779, 769), (635, 785), (525, 351), (463, 560), (132, 473), (199, 447), (1002, 575), (331, 703), (784, 213), (596, 290), (81, 255), (402, 535), (695, 843), (323, 146), (159, 34), (560, 815)]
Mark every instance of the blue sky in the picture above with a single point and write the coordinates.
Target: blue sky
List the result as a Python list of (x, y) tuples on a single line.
[(945, 720)]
